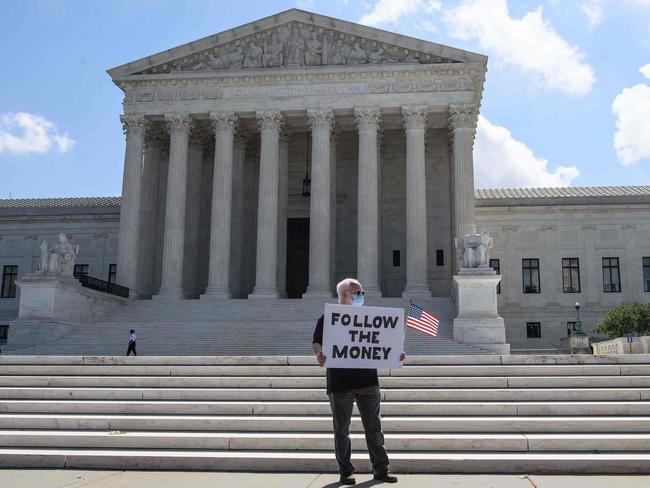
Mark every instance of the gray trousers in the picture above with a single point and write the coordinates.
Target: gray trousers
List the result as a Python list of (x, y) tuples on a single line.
[(368, 400)]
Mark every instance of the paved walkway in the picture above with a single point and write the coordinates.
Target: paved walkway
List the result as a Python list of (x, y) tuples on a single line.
[(26, 478)]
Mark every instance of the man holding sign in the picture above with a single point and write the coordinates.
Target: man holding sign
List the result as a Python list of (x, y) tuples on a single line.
[(356, 342)]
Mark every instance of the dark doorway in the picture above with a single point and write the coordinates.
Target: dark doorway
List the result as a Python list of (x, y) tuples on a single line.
[(297, 257)]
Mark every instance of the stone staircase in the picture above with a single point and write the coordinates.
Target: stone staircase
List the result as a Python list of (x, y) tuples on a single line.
[(229, 327), (479, 413)]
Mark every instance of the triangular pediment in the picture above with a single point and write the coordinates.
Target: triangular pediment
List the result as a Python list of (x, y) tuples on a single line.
[(295, 38)]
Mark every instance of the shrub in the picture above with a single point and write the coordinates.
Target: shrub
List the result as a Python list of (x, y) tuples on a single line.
[(626, 318)]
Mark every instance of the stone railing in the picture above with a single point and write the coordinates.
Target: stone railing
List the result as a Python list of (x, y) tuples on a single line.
[(639, 345)]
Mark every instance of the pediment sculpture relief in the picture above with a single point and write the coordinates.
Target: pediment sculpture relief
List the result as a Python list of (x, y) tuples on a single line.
[(297, 45)]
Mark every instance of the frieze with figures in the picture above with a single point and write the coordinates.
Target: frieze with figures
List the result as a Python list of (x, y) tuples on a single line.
[(296, 45)]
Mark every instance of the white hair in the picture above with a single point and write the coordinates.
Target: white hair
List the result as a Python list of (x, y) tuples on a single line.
[(345, 285)]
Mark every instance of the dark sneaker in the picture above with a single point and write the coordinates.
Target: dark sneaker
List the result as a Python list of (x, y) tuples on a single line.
[(347, 479), (386, 477)]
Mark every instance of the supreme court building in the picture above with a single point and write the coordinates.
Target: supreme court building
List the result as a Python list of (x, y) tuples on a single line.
[(274, 159)]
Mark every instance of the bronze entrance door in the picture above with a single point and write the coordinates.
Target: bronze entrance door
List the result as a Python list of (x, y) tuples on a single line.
[(297, 257)]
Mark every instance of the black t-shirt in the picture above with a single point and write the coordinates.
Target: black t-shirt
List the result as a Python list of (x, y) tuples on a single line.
[(343, 379)]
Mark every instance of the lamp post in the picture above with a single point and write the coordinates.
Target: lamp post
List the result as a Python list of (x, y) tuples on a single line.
[(578, 327)]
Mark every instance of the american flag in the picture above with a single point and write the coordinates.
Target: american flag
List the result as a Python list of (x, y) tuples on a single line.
[(422, 321)]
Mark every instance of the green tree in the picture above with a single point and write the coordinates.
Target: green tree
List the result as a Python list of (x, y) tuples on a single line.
[(624, 319)]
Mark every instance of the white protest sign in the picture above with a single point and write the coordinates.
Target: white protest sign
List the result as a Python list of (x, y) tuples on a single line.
[(363, 337)]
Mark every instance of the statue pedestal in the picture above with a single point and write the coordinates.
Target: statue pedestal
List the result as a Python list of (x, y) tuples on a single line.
[(51, 304), (478, 322), (577, 343)]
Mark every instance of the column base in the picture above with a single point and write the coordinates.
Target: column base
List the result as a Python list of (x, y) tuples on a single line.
[(216, 293), (169, 293), (259, 292), (416, 291), (318, 292)]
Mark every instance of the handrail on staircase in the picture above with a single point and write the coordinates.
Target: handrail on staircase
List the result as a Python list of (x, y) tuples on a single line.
[(104, 286)]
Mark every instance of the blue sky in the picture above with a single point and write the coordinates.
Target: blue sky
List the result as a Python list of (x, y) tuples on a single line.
[(566, 101)]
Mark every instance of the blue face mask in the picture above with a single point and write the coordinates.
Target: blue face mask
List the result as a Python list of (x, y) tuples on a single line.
[(357, 300)]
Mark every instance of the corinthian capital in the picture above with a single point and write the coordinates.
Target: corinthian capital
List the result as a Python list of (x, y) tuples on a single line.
[(367, 118), (179, 123), (270, 120), (463, 116), (134, 124), (415, 116), (224, 121), (320, 119)]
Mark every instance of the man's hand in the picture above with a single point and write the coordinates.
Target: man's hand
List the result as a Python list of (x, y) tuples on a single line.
[(321, 359), (402, 357)]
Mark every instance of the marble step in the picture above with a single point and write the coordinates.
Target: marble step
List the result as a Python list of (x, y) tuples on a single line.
[(316, 394), (592, 370), (291, 461), (270, 441), (404, 382), (265, 408), (314, 423)]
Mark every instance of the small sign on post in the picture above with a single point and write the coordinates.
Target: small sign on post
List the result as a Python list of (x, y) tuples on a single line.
[(363, 337)]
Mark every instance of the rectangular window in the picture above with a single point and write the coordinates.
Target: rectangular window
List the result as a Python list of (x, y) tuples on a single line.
[(646, 274), (533, 330), (494, 264), (611, 276), (440, 257), (530, 270), (80, 270), (571, 275), (112, 271), (9, 275), (4, 332), (570, 328)]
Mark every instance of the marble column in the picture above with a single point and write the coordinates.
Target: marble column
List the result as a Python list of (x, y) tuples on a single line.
[(266, 285), (148, 214), (367, 120), (160, 214), (239, 226), (334, 140), (320, 123), (417, 284), (171, 286), (129, 234), (197, 143), (462, 122), (283, 203), (224, 125)]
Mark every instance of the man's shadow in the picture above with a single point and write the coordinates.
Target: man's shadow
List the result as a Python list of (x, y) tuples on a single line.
[(363, 484)]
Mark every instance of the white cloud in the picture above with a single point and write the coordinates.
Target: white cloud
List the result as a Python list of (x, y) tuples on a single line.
[(593, 9), (645, 70), (631, 108), (305, 4), (501, 161), (23, 133), (530, 43), (391, 11)]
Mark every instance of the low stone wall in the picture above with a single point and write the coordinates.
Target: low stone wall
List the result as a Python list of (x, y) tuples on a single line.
[(51, 305), (640, 345)]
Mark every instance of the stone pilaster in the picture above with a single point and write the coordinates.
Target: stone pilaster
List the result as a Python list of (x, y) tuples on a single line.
[(266, 286), (334, 140), (127, 250), (367, 120), (320, 123), (197, 143), (283, 203), (171, 286), (462, 123), (416, 211), (148, 214), (224, 125)]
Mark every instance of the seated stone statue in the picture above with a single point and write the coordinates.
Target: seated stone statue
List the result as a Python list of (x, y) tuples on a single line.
[(60, 257), (473, 249)]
